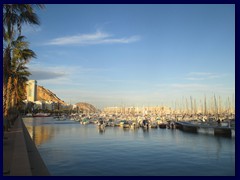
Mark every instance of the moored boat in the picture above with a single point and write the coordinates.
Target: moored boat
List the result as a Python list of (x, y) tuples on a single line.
[(124, 124), (29, 115), (163, 125), (101, 123), (153, 124), (41, 115)]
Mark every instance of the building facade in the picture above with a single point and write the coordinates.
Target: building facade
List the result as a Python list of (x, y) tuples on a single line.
[(31, 90)]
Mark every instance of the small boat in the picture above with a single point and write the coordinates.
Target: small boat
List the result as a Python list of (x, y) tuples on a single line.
[(85, 121), (145, 124), (41, 115), (110, 122), (163, 125), (134, 125), (124, 124), (121, 123), (171, 125), (153, 124), (29, 115)]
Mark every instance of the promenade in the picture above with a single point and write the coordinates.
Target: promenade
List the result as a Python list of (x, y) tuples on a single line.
[(20, 155)]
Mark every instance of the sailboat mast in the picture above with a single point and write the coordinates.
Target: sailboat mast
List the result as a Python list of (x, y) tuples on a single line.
[(187, 106), (191, 105), (216, 108), (205, 106)]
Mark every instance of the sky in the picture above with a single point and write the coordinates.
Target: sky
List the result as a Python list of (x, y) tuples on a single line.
[(134, 55)]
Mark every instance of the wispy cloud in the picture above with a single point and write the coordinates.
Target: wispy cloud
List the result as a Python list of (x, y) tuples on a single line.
[(198, 76), (193, 88), (91, 39), (189, 86)]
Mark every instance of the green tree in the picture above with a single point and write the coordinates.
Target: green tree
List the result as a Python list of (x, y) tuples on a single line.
[(16, 53)]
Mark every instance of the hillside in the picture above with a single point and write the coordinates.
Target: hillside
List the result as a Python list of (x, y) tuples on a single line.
[(47, 95), (85, 107)]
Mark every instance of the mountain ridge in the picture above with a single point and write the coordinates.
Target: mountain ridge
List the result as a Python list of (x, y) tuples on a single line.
[(44, 94), (86, 107)]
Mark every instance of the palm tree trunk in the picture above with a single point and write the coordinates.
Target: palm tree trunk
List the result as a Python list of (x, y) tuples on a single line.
[(5, 100), (6, 64)]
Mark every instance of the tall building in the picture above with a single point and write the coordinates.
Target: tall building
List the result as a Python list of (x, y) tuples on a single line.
[(32, 90)]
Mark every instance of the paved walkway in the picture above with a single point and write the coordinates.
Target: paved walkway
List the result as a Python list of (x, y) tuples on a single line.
[(20, 155)]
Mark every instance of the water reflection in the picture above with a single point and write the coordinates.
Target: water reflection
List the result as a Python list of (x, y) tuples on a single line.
[(43, 130), (40, 134), (65, 147), (101, 130), (145, 132), (126, 129), (221, 141)]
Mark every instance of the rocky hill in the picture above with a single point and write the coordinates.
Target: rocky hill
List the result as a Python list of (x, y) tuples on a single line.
[(47, 95), (85, 107), (44, 94)]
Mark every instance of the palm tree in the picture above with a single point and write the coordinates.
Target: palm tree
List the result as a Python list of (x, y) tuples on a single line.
[(14, 15), (20, 78), (16, 72), (16, 52)]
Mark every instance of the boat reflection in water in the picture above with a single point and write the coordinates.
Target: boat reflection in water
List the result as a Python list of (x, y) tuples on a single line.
[(69, 148)]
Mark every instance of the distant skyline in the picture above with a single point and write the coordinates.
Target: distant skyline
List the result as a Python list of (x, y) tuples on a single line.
[(134, 55)]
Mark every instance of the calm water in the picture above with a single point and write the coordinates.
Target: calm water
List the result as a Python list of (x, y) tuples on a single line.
[(69, 148)]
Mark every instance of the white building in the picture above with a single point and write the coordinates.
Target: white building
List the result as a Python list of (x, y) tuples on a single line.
[(49, 105), (39, 105), (31, 90)]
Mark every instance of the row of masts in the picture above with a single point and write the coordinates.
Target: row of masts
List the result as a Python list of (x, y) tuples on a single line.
[(190, 106), (214, 105)]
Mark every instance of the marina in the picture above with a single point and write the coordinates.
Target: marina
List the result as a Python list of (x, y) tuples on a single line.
[(90, 97), (71, 148), (198, 124)]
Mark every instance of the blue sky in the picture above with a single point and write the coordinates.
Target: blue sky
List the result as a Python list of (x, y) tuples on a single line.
[(134, 55)]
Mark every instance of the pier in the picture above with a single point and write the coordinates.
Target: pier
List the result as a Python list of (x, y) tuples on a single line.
[(207, 129)]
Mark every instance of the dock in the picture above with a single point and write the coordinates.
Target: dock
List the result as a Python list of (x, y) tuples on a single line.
[(206, 129)]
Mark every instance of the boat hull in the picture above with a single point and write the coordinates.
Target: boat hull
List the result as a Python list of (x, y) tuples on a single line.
[(41, 115)]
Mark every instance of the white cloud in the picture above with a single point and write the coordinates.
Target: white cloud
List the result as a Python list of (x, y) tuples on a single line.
[(195, 78), (189, 86), (63, 75), (77, 83), (200, 73), (198, 76), (91, 39), (193, 88)]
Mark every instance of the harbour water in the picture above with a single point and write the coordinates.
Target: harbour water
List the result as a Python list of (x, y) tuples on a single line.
[(69, 148)]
